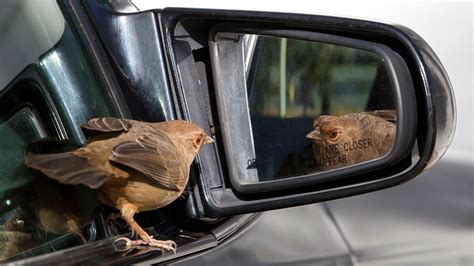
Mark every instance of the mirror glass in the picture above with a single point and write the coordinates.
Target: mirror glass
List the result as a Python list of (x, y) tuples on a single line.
[(292, 107)]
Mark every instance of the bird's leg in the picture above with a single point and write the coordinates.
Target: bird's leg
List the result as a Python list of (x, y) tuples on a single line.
[(146, 239), (128, 211)]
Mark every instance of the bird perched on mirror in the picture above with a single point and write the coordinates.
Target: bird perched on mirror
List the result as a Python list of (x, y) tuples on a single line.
[(135, 166), (340, 141)]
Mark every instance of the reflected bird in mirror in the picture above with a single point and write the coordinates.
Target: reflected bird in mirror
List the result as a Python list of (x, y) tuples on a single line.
[(135, 166), (340, 141)]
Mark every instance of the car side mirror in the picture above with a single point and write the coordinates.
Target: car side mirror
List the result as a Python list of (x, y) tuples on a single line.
[(304, 108)]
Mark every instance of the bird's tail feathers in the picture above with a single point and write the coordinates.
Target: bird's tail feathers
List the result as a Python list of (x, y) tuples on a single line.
[(67, 168)]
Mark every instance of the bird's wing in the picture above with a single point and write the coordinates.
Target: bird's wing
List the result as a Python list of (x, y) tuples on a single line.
[(155, 155), (68, 168), (105, 125)]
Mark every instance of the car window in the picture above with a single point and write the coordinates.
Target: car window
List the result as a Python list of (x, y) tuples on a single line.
[(28, 29), (39, 215)]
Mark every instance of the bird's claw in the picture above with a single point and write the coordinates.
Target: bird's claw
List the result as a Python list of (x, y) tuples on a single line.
[(167, 245), (128, 243), (163, 245)]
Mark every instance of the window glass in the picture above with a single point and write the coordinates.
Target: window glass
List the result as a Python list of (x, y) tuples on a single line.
[(28, 28), (28, 200)]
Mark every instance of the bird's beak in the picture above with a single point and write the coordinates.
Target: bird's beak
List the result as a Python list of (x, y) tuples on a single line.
[(208, 140), (314, 135)]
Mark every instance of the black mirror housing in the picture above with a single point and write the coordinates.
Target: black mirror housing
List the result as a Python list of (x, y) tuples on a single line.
[(425, 105)]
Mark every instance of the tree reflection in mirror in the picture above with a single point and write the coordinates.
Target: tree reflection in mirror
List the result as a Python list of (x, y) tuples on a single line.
[(316, 106)]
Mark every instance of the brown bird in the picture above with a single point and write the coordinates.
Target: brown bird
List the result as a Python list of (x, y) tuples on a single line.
[(135, 166), (352, 138)]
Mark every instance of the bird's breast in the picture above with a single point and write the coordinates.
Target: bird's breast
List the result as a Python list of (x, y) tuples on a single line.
[(138, 191)]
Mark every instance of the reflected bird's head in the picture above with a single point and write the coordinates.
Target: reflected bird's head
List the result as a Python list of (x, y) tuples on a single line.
[(353, 138), (332, 129)]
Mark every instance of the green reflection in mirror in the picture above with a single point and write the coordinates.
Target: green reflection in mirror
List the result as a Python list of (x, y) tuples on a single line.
[(309, 78)]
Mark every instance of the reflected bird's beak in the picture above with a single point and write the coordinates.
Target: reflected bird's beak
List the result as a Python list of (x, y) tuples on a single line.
[(314, 135)]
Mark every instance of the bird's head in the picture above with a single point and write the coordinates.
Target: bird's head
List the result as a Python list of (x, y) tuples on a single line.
[(330, 130), (339, 141), (188, 136)]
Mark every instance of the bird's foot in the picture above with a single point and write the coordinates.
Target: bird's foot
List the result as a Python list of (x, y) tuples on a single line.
[(163, 245), (167, 245)]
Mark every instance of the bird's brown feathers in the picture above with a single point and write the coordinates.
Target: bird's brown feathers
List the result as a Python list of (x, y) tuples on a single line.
[(340, 141), (144, 147), (68, 168), (161, 165), (105, 124)]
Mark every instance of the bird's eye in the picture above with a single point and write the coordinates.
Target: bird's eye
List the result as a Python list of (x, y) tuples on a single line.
[(197, 141), (334, 134)]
